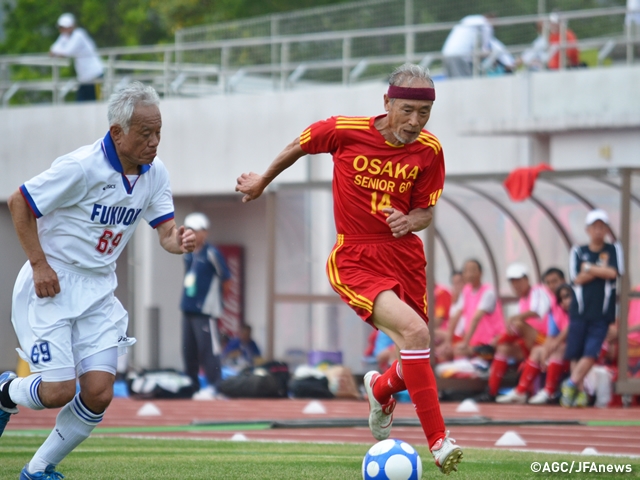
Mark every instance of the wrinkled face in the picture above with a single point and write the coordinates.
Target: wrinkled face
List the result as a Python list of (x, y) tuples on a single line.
[(597, 231), (565, 299), (553, 281), (457, 283), (140, 145), (407, 118), (471, 273), (520, 286)]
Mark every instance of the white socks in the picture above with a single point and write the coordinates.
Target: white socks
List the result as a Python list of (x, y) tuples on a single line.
[(74, 424), (24, 391)]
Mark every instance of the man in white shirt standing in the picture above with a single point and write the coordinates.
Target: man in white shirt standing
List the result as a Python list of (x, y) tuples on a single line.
[(473, 32), (75, 42)]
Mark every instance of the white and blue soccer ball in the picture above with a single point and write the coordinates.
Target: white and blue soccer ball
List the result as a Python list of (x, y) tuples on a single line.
[(392, 460)]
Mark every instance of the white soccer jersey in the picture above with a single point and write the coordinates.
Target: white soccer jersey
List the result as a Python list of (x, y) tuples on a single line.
[(87, 209)]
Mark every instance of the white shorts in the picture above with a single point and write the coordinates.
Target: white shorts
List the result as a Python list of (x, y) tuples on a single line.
[(85, 318)]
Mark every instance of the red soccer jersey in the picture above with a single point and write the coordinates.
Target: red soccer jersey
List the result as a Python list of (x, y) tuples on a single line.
[(370, 174)]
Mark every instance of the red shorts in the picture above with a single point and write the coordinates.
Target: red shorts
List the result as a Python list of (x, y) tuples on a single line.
[(362, 266), (518, 340)]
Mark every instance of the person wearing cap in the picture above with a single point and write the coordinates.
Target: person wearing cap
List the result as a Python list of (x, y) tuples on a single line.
[(549, 356), (74, 42), (524, 330), (544, 52), (206, 275), (388, 173), (572, 54), (594, 269), (473, 33)]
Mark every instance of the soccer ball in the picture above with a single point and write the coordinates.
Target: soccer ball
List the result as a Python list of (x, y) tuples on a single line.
[(392, 459)]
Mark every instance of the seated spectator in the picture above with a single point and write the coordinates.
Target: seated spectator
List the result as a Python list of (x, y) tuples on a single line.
[(545, 52), (609, 352), (553, 279), (633, 326), (242, 351), (384, 351), (524, 330), (479, 320), (549, 356), (536, 57), (572, 54), (500, 60), (445, 301)]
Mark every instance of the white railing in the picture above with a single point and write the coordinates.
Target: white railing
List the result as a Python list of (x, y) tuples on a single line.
[(280, 62)]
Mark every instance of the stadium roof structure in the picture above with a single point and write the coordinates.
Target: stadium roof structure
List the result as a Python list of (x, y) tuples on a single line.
[(475, 218)]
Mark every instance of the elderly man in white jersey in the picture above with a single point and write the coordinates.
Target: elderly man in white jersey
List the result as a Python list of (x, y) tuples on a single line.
[(73, 221)]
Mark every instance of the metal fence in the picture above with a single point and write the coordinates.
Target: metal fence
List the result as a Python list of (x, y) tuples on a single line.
[(370, 14), (286, 61)]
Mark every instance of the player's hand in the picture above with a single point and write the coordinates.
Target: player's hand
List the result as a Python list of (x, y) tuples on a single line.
[(45, 280), (398, 222), (186, 239), (251, 184)]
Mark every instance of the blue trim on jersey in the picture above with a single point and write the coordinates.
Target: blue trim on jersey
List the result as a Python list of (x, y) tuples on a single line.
[(162, 219), (109, 149), (30, 202)]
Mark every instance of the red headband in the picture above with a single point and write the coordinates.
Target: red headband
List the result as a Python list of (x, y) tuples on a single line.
[(411, 93)]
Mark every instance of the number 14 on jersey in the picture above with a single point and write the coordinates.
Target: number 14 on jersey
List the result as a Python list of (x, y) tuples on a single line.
[(376, 206)]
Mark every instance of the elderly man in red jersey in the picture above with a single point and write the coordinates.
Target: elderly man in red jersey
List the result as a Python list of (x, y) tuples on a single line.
[(388, 174)]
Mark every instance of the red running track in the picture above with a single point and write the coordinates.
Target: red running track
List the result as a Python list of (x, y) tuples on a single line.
[(561, 438)]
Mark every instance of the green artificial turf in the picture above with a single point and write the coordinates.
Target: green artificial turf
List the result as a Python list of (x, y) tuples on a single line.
[(111, 458)]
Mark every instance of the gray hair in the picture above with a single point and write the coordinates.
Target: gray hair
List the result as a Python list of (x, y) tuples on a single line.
[(123, 102), (406, 74)]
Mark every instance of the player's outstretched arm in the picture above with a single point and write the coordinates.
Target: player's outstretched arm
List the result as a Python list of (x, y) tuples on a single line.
[(176, 239), (253, 184), (45, 278)]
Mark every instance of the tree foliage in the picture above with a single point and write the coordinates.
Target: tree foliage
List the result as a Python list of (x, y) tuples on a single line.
[(30, 24)]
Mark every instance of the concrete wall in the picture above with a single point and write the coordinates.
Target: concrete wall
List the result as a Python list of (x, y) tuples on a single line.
[(485, 125)]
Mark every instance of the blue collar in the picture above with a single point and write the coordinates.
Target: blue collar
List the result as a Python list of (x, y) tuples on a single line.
[(109, 149)]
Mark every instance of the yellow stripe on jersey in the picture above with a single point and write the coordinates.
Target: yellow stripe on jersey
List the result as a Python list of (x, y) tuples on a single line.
[(433, 198), (355, 123), (334, 277), (305, 136), (431, 139), (394, 146), (436, 147)]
